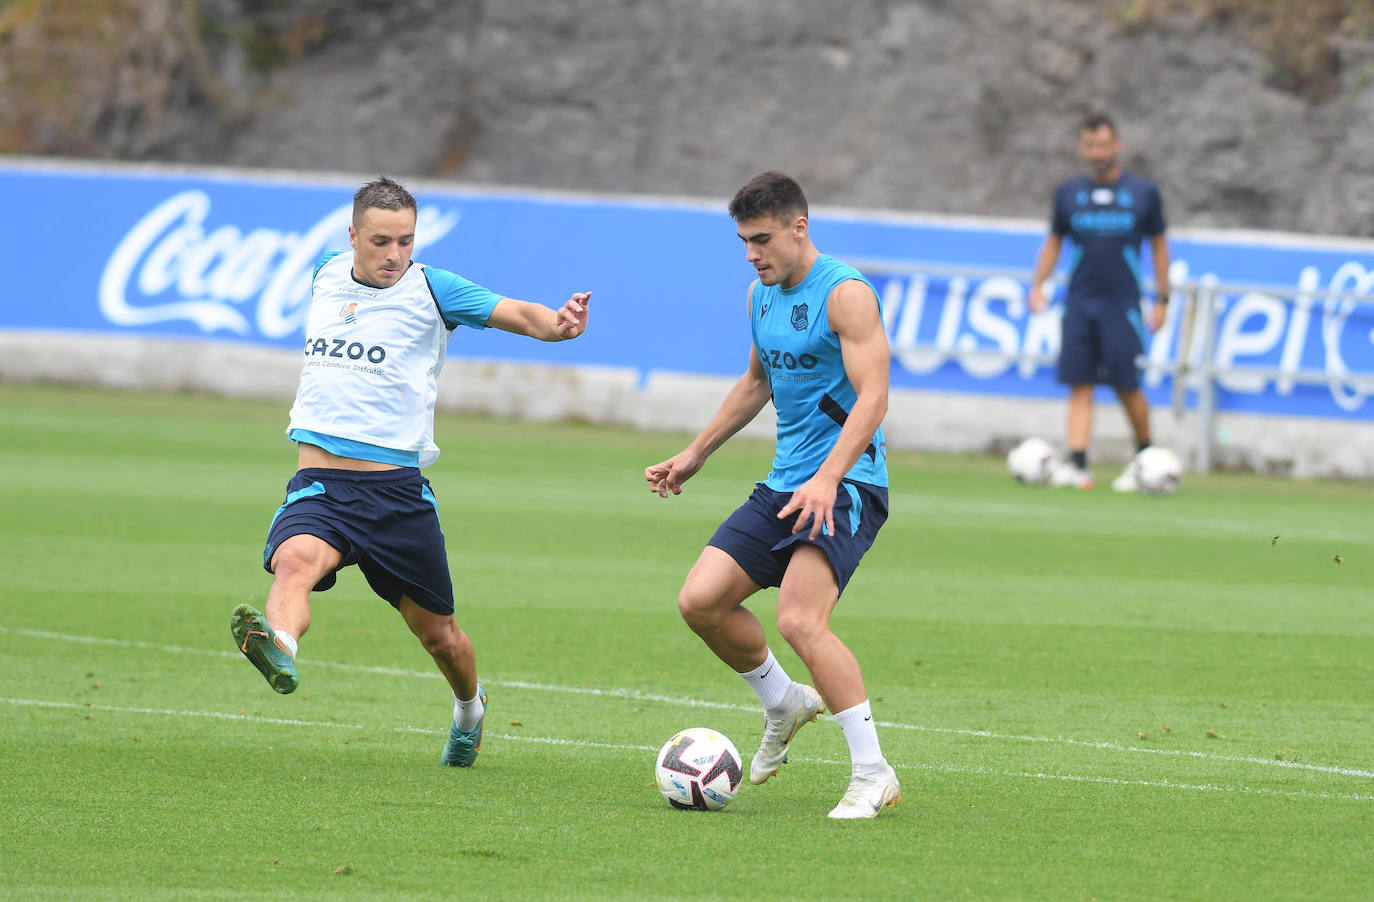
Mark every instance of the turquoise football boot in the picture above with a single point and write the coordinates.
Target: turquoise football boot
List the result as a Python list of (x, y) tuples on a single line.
[(463, 745), (259, 645)]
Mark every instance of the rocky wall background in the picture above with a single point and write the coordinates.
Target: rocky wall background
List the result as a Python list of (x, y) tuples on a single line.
[(1251, 114)]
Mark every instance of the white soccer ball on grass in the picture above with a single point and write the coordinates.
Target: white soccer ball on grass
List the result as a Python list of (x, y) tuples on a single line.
[(1158, 471), (699, 770), (1032, 461)]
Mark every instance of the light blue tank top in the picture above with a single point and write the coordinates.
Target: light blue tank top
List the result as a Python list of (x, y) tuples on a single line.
[(811, 391)]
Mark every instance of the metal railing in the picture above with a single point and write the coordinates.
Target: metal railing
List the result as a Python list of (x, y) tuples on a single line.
[(1195, 367), (1196, 310)]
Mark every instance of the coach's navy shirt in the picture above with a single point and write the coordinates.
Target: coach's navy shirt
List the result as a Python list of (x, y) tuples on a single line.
[(1106, 222)]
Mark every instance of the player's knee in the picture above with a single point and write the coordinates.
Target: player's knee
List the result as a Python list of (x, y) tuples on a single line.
[(696, 609), (799, 627), (440, 643), (688, 606), (297, 563)]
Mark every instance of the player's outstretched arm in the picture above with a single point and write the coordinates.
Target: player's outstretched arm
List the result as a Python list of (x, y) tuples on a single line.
[(748, 396), (543, 323), (669, 475)]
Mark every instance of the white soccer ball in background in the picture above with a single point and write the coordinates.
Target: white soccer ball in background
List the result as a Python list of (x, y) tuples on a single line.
[(699, 770), (1032, 461), (1158, 471)]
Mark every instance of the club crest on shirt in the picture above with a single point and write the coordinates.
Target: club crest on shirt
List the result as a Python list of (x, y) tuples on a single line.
[(799, 320), (348, 313)]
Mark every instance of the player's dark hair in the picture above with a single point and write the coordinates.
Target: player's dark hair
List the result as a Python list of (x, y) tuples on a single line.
[(768, 194), (1093, 121), (382, 193)]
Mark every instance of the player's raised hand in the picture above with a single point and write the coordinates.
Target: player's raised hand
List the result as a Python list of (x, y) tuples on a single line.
[(813, 503), (572, 316), (669, 475)]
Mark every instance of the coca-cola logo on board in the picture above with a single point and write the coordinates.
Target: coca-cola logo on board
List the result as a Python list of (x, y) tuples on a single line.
[(175, 264)]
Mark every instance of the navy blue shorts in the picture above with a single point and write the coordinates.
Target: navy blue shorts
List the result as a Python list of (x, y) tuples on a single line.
[(762, 544), (1100, 343), (385, 521)]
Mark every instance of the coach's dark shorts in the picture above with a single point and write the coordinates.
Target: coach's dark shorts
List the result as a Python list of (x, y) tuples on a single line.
[(1100, 343), (386, 522), (762, 544)]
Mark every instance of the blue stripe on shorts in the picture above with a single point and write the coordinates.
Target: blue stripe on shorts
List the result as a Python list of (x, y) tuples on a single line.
[(762, 544)]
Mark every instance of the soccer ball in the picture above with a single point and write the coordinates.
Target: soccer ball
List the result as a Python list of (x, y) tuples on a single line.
[(1032, 461), (1158, 471), (698, 770)]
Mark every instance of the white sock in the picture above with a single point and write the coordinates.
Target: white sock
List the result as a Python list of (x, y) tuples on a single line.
[(769, 681), (860, 733), (287, 641), (468, 714)]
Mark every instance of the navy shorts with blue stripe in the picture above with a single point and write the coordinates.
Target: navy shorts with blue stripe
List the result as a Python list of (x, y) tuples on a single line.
[(385, 521), (1100, 343), (762, 544)]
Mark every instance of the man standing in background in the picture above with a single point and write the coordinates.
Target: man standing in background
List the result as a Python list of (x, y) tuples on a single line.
[(1106, 213)]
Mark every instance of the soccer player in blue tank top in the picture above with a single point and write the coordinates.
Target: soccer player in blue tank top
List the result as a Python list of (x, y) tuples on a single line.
[(363, 421), (1107, 214), (820, 354)]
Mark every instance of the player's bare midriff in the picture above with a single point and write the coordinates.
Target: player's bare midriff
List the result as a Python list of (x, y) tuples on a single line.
[(315, 456)]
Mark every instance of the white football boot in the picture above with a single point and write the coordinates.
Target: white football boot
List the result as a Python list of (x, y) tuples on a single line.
[(1128, 480), (802, 705), (872, 788), (1066, 475)]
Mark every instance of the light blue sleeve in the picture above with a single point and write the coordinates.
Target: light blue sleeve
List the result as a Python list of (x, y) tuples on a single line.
[(319, 264), (461, 302)]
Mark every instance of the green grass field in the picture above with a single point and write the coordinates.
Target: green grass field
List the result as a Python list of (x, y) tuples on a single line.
[(1085, 695)]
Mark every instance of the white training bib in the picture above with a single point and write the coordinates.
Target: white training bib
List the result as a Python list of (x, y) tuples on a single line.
[(372, 360)]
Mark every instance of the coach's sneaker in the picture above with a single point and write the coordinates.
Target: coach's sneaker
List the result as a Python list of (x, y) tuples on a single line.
[(1128, 481), (1066, 475), (800, 707), (260, 645), (872, 788), (463, 745)]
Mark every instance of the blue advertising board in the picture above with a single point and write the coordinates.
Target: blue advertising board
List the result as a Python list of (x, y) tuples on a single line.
[(228, 256)]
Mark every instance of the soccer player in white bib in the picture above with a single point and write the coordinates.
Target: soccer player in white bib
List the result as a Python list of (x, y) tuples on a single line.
[(820, 355), (363, 421)]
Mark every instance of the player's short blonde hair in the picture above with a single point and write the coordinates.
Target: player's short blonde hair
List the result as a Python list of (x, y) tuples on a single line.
[(382, 193)]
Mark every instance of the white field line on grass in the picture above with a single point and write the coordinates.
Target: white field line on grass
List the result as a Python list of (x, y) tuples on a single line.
[(636, 695), (648, 749)]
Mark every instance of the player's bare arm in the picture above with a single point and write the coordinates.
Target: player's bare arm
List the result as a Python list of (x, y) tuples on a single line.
[(854, 316), (746, 398), (1159, 253), (541, 322), (1044, 265), (744, 402)]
